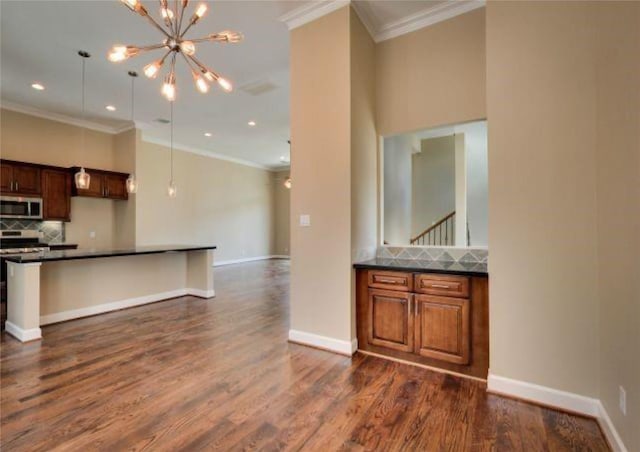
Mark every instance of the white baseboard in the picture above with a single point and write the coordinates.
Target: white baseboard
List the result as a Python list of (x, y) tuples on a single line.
[(122, 304), (23, 335), (326, 343), (202, 293), (543, 395), (555, 398), (609, 429), (249, 259)]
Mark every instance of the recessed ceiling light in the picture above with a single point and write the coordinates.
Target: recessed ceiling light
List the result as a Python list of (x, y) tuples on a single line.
[(110, 108), (251, 123), (207, 134), (37, 86)]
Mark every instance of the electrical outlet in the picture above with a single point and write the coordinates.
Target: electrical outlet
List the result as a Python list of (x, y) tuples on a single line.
[(623, 400), (92, 234), (305, 220)]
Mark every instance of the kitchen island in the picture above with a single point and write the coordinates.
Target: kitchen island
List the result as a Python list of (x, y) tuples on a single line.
[(54, 286)]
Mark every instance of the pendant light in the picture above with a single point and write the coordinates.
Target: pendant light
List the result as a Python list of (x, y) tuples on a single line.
[(287, 181), (82, 178), (132, 183), (172, 190)]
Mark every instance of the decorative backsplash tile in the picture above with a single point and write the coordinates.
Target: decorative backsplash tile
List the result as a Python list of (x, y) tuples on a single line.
[(52, 231), (432, 253)]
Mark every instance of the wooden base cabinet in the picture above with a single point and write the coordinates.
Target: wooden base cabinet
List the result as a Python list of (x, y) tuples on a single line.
[(432, 319)]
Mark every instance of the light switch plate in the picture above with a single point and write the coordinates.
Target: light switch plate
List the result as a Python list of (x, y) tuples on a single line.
[(305, 220)]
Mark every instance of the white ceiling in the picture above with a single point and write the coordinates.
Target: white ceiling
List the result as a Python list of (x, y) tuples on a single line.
[(40, 40)]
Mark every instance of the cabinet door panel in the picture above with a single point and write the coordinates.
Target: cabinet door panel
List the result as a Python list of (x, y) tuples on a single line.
[(115, 187), (26, 180), (442, 328), (6, 178), (56, 198), (391, 320), (96, 186)]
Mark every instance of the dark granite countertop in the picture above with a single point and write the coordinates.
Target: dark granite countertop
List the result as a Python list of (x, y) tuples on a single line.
[(414, 265), (67, 255)]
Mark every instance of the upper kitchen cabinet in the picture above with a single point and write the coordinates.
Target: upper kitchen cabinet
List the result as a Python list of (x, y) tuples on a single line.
[(56, 198), (20, 179), (103, 184)]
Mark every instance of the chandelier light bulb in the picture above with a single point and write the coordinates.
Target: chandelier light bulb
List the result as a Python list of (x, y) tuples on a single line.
[(287, 183), (166, 13), (188, 47), (172, 190), (229, 36), (151, 70), (202, 9), (201, 83), (169, 88), (120, 53), (131, 4), (225, 84)]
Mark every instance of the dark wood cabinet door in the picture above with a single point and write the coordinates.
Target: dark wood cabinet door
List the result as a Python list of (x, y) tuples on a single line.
[(391, 319), (26, 180), (56, 199), (115, 187), (6, 178), (96, 186), (442, 328)]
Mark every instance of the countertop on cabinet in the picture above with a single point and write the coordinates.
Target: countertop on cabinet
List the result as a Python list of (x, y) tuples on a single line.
[(66, 255), (415, 265)]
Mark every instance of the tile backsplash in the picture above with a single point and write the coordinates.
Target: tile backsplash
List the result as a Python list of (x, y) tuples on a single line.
[(52, 231), (433, 253)]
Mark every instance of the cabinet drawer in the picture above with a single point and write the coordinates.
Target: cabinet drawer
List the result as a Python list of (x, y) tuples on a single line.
[(391, 280), (448, 286)]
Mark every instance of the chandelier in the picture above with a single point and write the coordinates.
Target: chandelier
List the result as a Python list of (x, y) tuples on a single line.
[(174, 44)]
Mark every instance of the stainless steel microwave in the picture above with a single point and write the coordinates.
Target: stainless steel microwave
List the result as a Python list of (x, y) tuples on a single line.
[(20, 207)]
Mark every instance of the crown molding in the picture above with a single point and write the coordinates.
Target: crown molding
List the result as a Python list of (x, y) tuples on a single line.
[(429, 16), (310, 12), (422, 19), (58, 117), (204, 153)]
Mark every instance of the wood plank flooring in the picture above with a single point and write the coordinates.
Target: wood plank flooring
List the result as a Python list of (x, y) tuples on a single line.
[(193, 374)]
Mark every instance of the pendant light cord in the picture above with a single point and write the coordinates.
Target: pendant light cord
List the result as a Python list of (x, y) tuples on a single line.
[(171, 149), (83, 113)]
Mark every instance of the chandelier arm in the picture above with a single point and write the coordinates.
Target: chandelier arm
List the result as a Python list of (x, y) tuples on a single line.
[(210, 38), (164, 8), (186, 58), (191, 22), (150, 47), (199, 64), (176, 27), (158, 26), (184, 6)]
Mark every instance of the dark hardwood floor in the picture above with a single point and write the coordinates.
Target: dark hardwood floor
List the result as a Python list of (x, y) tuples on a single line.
[(193, 374)]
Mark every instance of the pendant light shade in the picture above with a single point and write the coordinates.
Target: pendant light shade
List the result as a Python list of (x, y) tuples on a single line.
[(172, 190), (82, 178), (132, 183)]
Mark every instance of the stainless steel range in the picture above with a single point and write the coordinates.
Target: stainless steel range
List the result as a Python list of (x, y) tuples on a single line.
[(21, 241)]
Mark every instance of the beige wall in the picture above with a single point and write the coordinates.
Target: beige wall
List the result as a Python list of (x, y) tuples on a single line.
[(433, 76), (618, 195), (542, 220), (124, 227), (281, 216), (218, 202), (321, 172), (31, 139)]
